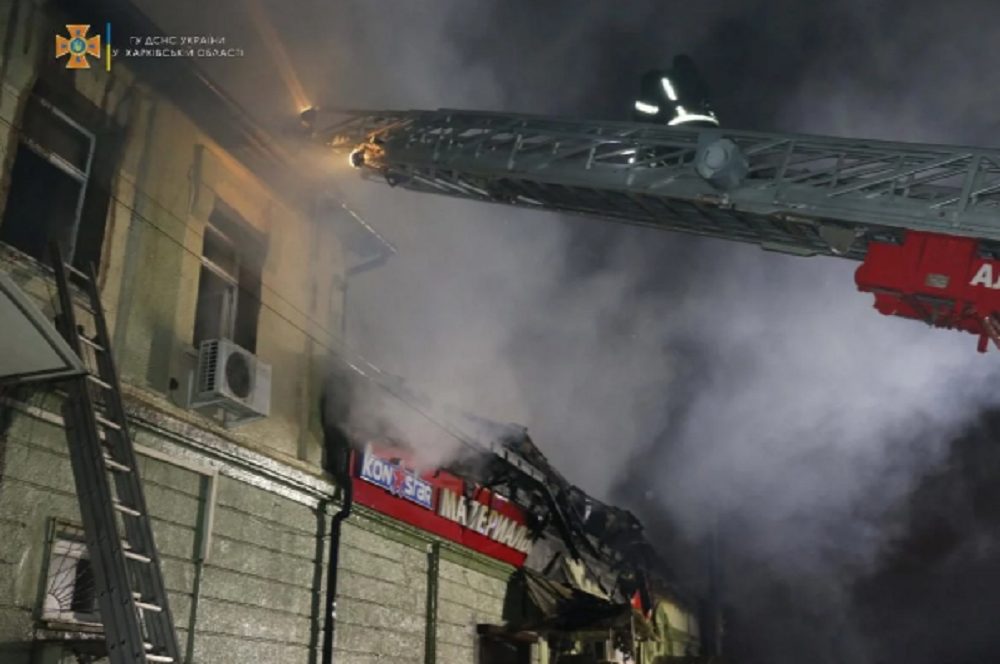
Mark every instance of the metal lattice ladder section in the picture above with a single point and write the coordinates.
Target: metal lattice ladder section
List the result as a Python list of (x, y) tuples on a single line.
[(138, 625), (800, 194)]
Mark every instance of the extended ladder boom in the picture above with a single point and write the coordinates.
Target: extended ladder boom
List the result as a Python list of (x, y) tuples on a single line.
[(803, 194), (932, 210)]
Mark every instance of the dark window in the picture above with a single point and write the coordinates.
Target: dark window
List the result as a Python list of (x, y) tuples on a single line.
[(53, 132), (41, 206), (229, 286), (84, 591), (64, 164), (493, 650), (48, 181)]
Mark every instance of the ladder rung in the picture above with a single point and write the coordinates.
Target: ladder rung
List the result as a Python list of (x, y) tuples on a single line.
[(125, 509), (114, 465), (146, 606), (100, 383), (138, 557), (79, 273), (93, 344), (104, 422)]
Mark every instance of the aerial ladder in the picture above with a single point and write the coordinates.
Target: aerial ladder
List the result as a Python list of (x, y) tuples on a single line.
[(923, 220)]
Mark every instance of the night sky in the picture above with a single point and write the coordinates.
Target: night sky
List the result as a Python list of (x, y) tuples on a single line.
[(849, 459)]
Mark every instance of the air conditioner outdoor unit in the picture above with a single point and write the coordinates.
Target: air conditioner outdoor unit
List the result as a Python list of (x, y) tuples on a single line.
[(233, 380)]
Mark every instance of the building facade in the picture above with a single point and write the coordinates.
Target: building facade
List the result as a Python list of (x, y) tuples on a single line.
[(192, 242), (453, 549), (185, 239), (178, 201)]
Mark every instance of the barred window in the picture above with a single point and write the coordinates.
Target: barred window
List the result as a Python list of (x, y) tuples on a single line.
[(70, 588)]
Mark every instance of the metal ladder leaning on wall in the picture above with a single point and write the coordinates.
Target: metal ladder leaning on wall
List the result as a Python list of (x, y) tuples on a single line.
[(138, 625)]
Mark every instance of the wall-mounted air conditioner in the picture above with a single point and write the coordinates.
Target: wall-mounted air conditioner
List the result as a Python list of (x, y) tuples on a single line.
[(233, 380)]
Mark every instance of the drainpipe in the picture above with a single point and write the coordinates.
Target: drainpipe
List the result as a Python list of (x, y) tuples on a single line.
[(345, 480), (333, 560), (430, 626), (203, 537)]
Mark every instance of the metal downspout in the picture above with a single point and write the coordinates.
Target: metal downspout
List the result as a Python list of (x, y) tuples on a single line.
[(333, 560), (203, 535), (430, 626)]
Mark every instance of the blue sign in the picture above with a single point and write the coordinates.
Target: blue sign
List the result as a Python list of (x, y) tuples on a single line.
[(395, 479)]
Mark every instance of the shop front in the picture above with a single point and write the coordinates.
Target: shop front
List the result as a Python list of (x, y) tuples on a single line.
[(425, 560), (577, 626), (438, 567)]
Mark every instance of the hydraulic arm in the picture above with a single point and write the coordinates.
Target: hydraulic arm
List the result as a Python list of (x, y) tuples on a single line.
[(923, 219)]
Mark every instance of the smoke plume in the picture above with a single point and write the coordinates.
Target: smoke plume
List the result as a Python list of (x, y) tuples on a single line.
[(713, 383)]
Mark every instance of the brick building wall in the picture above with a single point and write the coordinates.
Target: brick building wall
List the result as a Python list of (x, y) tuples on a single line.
[(241, 516)]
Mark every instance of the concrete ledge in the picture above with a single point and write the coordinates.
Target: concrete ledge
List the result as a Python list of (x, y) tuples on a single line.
[(185, 441)]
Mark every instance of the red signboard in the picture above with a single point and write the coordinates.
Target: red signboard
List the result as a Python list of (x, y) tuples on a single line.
[(440, 503)]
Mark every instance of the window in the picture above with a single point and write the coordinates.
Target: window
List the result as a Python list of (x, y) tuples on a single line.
[(48, 183), (498, 650), (60, 181), (70, 589), (229, 286)]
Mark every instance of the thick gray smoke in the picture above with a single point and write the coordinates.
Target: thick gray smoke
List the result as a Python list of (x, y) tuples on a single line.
[(803, 418), (716, 380)]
